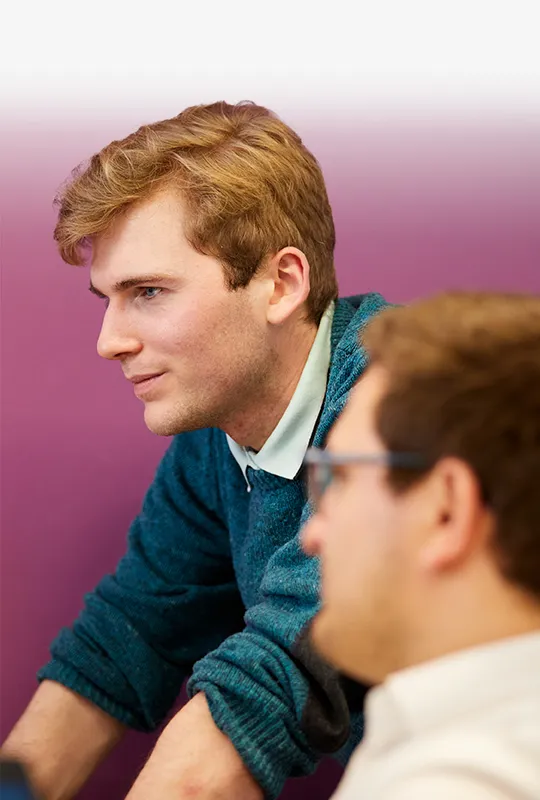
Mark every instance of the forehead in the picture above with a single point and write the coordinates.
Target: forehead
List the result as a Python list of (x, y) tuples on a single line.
[(355, 428), (147, 234)]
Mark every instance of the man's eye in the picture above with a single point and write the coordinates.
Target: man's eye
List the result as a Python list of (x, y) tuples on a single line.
[(149, 292)]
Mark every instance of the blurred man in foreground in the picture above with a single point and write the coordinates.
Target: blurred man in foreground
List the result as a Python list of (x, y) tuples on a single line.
[(428, 528)]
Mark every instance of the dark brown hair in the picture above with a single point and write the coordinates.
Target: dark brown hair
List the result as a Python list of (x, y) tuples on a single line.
[(464, 381)]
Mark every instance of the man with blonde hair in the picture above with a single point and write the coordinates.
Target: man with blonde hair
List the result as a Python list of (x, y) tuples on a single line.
[(428, 527), (210, 240)]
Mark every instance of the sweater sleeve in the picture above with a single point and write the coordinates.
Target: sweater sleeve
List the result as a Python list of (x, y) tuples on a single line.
[(268, 691), (172, 598)]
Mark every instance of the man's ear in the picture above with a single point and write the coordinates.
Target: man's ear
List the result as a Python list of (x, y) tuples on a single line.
[(460, 517), (289, 272)]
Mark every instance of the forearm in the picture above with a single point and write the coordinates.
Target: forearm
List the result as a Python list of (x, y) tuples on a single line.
[(61, 738), (194, 759)]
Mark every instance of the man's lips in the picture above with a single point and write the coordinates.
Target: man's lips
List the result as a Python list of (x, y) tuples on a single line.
[(143, 384), (144, 377)]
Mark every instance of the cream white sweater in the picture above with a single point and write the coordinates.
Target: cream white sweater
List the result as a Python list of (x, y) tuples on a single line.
[(462, 727)]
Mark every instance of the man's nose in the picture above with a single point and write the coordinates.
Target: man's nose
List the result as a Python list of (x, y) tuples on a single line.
[(116, 339), (312, 536)]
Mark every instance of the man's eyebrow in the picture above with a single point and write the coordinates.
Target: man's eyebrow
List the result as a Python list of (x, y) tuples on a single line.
[(129, 283)]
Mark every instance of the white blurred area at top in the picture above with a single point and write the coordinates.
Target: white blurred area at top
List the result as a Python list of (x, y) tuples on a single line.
[(152, 59)]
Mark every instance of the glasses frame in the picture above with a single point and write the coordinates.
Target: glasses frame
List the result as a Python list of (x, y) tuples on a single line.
[(319, 466)]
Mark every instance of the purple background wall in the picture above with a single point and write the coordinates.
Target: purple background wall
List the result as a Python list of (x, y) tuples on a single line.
[(417, 207)]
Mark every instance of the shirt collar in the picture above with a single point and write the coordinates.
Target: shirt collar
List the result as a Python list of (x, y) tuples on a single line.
[(439, 691), (284, 450)]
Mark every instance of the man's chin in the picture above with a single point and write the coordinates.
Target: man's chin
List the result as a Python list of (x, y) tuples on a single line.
[(164, 421), (330, 640), (323, 636), (160, 423)]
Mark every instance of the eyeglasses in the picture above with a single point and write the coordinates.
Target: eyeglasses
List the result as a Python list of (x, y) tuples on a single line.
[(320, 466)]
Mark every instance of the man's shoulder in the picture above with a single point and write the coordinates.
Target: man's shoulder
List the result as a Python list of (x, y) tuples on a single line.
[(468, 759), (351, 315), (497, 757), (348, 357)]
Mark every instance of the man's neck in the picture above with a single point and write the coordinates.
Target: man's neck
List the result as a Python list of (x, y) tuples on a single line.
[(472, 618), (254, 424)]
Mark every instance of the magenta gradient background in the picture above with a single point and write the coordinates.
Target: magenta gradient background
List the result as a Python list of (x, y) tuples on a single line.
[(418, 208)]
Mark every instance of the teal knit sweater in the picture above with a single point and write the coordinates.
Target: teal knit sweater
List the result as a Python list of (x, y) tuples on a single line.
[(215, 585)]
